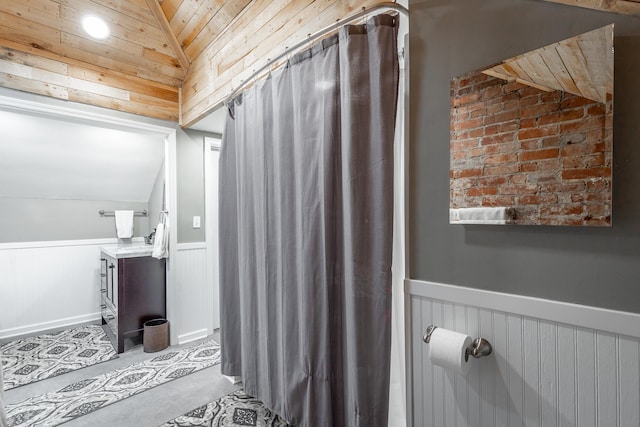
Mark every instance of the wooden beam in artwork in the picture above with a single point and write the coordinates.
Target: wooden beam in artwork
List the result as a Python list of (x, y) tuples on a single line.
[(625, 7), (581, 65), (504, 76), (157, 11)]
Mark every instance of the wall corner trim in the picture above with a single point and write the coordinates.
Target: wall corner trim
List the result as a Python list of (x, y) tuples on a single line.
[(613, 321)]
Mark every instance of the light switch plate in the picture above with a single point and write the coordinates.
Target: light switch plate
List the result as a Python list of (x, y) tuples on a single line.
[(196, 222)]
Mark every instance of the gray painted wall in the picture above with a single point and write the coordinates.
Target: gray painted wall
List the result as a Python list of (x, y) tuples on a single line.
[(35, 220), (598, 267), (190, 177)]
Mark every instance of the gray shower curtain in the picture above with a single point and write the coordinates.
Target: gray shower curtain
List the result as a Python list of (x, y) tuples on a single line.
[(306, 211)]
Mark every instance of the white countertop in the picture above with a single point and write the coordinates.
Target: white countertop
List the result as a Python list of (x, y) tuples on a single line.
[(127, 250)]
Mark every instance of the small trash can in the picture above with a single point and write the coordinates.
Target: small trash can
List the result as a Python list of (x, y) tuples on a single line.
[(155, 335)]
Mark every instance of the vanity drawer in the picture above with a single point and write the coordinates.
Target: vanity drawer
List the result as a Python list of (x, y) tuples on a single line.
[(109, 317)]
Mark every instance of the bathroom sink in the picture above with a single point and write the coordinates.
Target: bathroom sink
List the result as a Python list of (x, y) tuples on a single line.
[(128, 251)]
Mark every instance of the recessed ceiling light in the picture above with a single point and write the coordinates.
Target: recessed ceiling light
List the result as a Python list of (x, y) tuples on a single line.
[(96, 27)]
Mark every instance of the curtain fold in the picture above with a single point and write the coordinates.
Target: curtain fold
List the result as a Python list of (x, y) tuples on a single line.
[(306, 215)]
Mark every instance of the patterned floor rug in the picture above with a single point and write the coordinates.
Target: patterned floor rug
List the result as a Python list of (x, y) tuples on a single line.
[(233, 410), (37, 358), (89, 395)]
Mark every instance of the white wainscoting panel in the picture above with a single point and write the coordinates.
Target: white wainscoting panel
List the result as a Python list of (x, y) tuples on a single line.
[(193, 294), (49, 285), (541, 372)]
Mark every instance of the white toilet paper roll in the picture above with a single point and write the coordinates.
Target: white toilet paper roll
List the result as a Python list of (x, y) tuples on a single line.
[(447, 349)]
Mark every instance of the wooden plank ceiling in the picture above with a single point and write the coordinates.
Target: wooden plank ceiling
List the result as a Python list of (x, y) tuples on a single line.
[(581, 65), (626, 7), (169, 59)]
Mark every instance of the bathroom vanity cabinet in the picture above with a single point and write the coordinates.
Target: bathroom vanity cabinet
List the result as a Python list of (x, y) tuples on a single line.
[(132, 291)]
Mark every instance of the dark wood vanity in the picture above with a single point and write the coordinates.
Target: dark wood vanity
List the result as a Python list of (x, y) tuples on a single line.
[(133, 291)]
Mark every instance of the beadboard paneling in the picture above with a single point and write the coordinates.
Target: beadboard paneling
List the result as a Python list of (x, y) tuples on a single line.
[(193, 295), (48, 285), (541, 373)]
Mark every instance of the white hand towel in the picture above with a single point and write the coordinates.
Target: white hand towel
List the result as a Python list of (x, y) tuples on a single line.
[(484, 215), (124, 224), (161, 242)]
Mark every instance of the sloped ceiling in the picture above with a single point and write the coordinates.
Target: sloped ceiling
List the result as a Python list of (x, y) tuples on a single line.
[(170, 59), (47, 158)]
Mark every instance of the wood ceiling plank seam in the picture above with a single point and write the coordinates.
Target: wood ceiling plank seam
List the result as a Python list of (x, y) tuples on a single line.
[(124, 28), (125, 8), (77, 9), (170, 7), (161, 58), (501, 70), (153, 101), (12, 55), (150, 76), (248, 19), (598, 46), (46, 6), (192, 104), (129, 106), (120, 36), (80, 64), (155, 8), (596, 60), (100, 47), (519, 71), (198, 21), (112, 55), (33, 86), (180, 19), (22, 29), (556, 66), (130, 84), (541, 72), (533, 85), (574, 61), (63, 80), (46, 15), (586, 85), (209, 33)]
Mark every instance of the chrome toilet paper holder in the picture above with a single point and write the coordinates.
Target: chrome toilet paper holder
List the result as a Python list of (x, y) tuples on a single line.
[(479, 347)]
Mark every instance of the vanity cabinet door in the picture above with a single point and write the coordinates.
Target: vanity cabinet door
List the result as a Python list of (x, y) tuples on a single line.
[(143, 295)]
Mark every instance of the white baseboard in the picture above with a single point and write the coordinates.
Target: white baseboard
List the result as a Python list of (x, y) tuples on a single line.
[(45, 327), (233, 380), (192, 336)]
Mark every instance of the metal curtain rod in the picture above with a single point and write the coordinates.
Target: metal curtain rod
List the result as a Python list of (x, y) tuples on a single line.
[(312, 37), (112, 213)]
